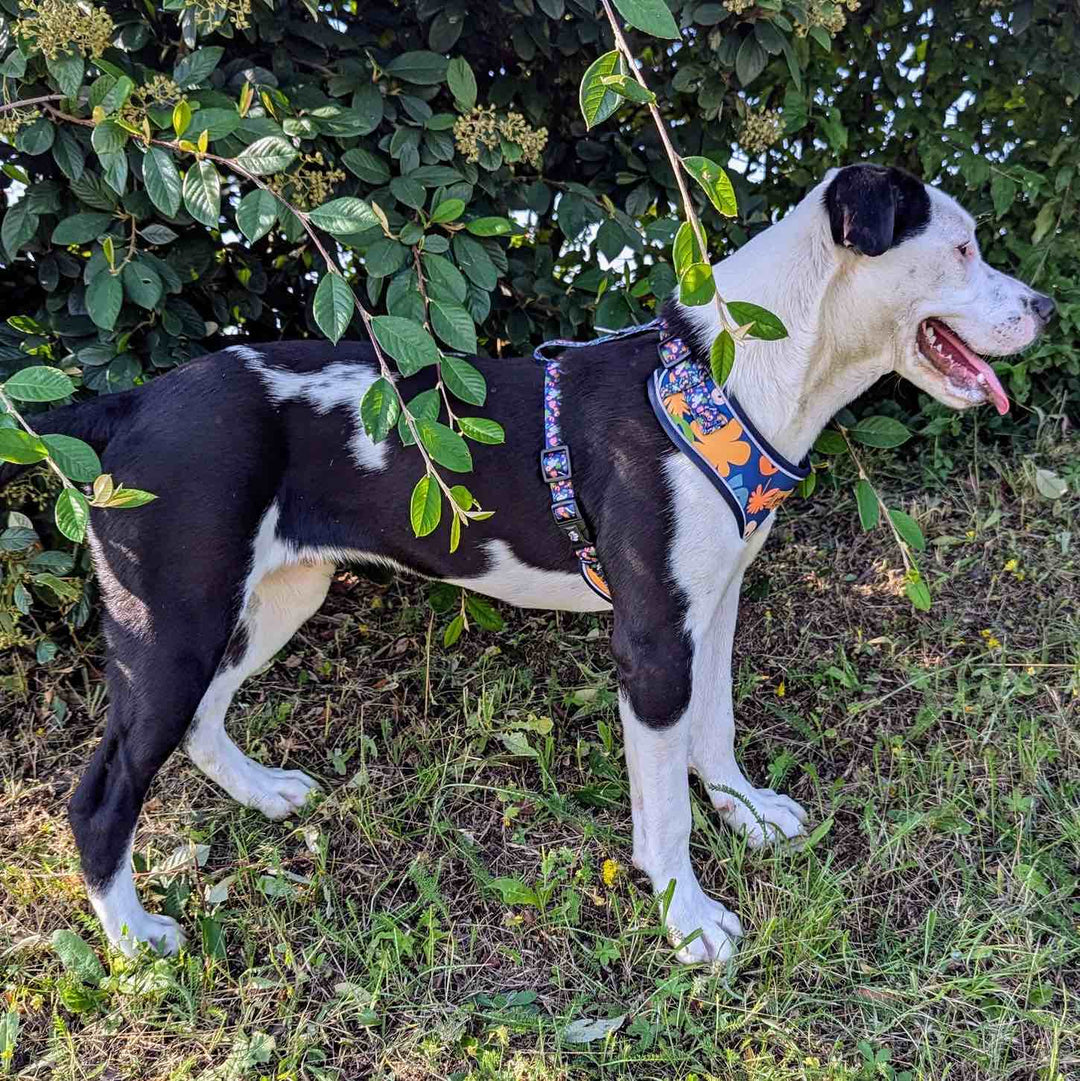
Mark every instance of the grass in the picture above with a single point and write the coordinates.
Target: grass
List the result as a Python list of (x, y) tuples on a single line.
[(462, 894)]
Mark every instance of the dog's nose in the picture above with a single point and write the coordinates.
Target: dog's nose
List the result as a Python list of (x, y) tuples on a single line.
[(1043, 306)]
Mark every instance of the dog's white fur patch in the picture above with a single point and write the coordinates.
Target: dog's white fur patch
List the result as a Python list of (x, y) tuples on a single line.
[(124, 920), (245, 352), (510, 579), (336, 386)]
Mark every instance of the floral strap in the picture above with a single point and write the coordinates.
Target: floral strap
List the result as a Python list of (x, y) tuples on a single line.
[(709, 426), (555, 465)]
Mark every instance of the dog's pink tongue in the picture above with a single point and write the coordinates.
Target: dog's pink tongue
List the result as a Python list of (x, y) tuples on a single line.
[(973, 360)]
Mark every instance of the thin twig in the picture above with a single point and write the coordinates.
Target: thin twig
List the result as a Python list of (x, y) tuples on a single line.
[(674, 160)]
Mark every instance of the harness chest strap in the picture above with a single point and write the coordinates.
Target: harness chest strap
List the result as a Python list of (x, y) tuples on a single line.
[(705, 422)]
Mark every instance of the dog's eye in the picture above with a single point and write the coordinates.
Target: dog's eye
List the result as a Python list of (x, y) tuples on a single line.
[(964, 250)]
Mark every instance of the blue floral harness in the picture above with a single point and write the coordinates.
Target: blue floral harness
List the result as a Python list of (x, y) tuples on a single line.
[(702, 420)]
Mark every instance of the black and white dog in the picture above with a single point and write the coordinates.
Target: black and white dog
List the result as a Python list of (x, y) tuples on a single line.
[(268, 481)]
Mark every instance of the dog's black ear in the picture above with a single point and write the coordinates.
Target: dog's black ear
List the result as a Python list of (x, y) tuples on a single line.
[(873, 208)]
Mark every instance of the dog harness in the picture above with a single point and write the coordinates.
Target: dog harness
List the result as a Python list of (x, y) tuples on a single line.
[(702, 420)]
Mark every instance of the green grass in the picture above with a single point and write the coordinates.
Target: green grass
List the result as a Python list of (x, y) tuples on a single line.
[(443, 911)]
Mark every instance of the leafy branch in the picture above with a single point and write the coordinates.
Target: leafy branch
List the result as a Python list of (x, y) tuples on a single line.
[(334, 300), (617, 76)]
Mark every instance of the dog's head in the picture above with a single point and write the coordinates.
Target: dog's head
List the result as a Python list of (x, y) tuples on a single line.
[(913, 275)]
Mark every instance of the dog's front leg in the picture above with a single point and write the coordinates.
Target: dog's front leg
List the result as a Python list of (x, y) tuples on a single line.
[(654, 676), (764, 814)]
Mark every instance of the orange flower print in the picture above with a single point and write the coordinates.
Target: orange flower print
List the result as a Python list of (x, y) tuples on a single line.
[(757, 501), (766, 466), (762, 498), (724, 447)]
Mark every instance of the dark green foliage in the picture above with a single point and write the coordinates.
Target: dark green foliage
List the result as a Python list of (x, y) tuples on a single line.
[(122, 259)]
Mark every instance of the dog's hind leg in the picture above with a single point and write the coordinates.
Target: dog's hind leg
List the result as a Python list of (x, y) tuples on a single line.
[(276, 606), (162, 658)]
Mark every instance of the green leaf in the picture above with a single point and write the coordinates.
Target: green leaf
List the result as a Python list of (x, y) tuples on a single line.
[(651, 16), (72, 514), (598, 101), (1003, 191), (333, 306), (344, 216), (20, 225), (68, 72), (142, 284), (628, 87), (425, 405), (918, 594), (420, 67), (425, 506), (512, 891), (20, 447), (217, 123), (830, 442), (444, 445), (455, 326), (80, 228), (202, 193), (483, 613), (448, 210), (909, 529), (256, 214), (766, 326), (491, 226), (78, 460), (722, 357), (869, 508), (197, 66), (714, 182), (77, 957), (407, 342), (696, 285), (379, 409), (39, 384), (367, 166), (685, 250), (751, 59), (453, 631), (271, 154), (880, 432), (129, 498), (482, 430), (104, 298), (462, 83), (108, 137), (162, 180), (444, 279)]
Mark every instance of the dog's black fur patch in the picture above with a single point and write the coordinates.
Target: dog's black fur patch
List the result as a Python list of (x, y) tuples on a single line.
[(873, 208), (209, 440)]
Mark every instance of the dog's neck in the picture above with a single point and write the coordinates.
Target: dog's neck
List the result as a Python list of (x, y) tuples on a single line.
[(791, 388)]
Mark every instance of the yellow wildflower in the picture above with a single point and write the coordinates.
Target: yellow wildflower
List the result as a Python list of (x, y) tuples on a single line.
[(610, 872)]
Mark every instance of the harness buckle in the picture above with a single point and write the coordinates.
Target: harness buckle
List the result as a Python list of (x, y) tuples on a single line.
[(555, 463), (569, 520)]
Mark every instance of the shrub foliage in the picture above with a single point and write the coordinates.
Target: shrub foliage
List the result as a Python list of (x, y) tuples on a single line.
[(179, 175)]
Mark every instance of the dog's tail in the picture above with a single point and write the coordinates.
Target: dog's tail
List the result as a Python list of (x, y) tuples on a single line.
[(94, 422)]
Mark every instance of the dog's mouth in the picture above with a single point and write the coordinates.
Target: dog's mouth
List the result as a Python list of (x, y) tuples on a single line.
[(962, 367)]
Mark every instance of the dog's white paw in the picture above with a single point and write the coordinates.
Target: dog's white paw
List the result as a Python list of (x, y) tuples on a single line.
[(764, 815), (162, 934), (692, 909), (277, 793)]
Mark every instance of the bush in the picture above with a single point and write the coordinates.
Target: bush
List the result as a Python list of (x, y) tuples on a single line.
[(446, 137)]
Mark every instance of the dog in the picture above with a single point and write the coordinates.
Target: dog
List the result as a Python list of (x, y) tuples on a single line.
[(267, 482)]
